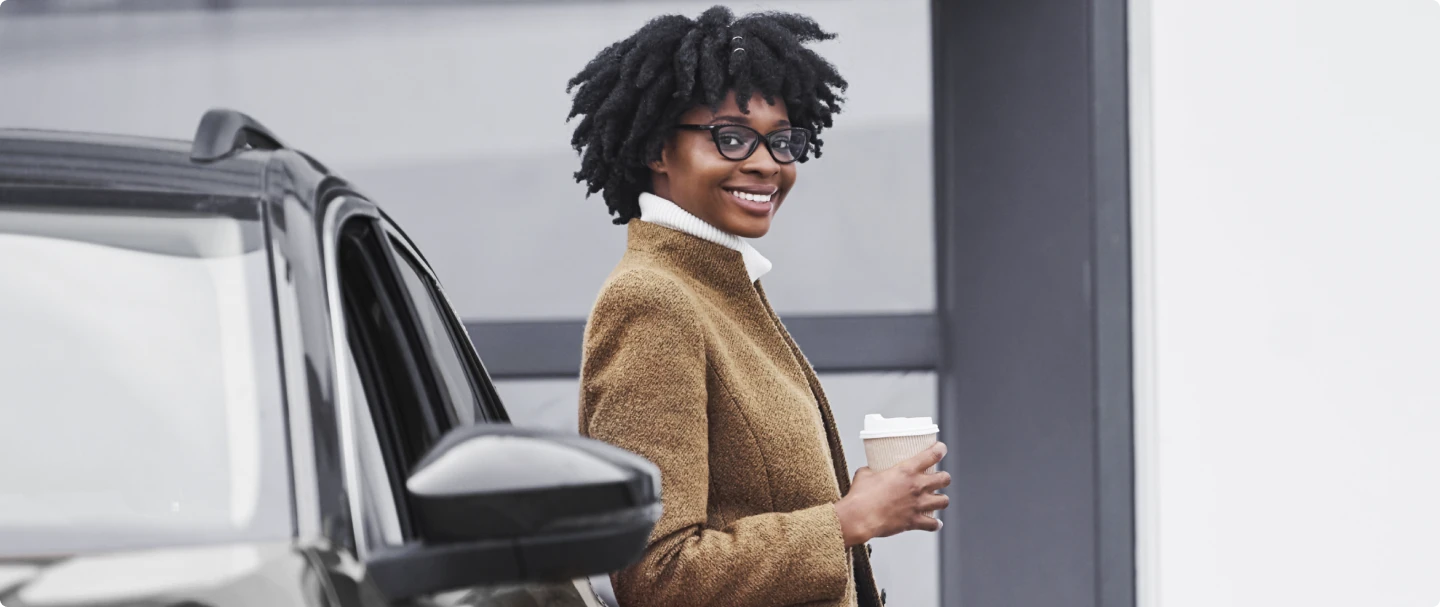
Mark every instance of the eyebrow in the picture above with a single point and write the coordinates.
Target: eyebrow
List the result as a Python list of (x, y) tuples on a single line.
[(731, 119), (742, 120)]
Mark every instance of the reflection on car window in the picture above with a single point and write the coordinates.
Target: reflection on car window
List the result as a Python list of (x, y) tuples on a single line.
[(381, 523), (463, 399), (389, 407), (385, 399), (139, 382)]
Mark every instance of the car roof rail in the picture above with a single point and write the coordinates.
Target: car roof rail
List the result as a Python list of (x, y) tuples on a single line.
[(223, 132)]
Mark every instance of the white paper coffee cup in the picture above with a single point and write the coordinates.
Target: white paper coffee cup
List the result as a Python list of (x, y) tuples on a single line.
[(891, 441)]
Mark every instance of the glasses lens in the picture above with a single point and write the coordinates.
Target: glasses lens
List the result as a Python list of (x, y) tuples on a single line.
[(789, 145), (735, 142)]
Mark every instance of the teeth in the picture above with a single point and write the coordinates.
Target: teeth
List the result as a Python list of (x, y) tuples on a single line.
[(751, 197)]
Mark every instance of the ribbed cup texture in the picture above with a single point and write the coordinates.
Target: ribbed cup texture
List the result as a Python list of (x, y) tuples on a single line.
[(883, 453)]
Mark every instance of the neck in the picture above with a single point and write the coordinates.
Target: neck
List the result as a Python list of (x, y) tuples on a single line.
[(659, 211)]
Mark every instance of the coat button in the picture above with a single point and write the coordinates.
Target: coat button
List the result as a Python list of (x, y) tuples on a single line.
[(882, 596), (869, 550)]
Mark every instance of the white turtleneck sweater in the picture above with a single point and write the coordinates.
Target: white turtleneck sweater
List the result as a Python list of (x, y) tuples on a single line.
[(659, 211)]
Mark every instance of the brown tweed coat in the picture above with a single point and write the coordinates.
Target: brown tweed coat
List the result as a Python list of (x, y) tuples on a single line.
[(686, 363)]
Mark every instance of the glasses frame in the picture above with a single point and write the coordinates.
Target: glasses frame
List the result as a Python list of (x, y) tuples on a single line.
[(759, 138)]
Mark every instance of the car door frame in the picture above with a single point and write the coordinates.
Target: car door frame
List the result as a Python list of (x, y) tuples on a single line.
[(339, 211), (483, 386), (345, 558), (342, 208)]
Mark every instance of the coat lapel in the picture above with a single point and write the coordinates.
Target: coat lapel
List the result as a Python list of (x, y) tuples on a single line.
[(864, 575)]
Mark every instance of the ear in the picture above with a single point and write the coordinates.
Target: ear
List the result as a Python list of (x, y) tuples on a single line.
[(658, 165)]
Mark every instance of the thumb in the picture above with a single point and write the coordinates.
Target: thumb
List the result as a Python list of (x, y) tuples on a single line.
[(929, 457)]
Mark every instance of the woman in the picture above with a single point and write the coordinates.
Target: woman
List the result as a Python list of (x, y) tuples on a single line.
[(694, 128)]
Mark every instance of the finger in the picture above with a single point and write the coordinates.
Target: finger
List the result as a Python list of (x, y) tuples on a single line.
[(933, 502), (924, 459), (934, 482), (925, 523)]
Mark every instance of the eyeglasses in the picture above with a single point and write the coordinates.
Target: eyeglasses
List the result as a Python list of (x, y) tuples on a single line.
[(738, 142)]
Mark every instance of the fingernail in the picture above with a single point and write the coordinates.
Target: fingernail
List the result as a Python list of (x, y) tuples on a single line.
[(942, 525)]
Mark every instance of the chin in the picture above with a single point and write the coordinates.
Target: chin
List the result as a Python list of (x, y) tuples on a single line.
[(751, 229)]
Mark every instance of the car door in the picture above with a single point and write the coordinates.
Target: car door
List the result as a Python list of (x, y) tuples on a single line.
[(407, 375)]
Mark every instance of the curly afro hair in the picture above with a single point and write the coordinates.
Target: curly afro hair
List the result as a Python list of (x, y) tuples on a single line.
[(636, 89)]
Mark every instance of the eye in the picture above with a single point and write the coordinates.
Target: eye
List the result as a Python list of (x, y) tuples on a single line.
[(780, 143), (730, 140)]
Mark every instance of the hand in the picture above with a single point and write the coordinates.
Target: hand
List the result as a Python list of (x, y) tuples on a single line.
[(882, 504)]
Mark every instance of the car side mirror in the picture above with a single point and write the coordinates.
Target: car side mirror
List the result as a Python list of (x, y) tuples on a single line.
[(494, 504)]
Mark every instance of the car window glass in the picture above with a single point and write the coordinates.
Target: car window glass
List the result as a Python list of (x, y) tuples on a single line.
[(380, 518), (449, 361), (387, 392), (140, 389), (391, 406)]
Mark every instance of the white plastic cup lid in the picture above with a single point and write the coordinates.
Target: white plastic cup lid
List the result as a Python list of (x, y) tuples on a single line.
[(878, 426)]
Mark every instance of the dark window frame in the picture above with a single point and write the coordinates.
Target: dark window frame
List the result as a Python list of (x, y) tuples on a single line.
[(492, 409), (390, 357), (404, 259)]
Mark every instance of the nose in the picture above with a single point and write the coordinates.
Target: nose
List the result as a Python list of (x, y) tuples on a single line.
[(761, 163)]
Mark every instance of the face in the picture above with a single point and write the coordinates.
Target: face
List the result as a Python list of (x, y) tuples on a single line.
[(728, 194)]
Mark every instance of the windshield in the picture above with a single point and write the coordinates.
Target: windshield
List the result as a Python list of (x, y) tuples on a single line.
[(139, 387)]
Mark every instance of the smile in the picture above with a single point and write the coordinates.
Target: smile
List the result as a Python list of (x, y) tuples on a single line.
[(751, 197)]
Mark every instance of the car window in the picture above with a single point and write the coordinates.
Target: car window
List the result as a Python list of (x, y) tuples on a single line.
[(449, 362), (381, 521), (408, 379), (396, 411), (140, 391)]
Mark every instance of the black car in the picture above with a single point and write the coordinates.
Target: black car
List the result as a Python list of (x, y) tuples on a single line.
[(228, 378)]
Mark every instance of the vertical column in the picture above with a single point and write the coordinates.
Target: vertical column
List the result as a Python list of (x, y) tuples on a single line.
[(1033, 293)]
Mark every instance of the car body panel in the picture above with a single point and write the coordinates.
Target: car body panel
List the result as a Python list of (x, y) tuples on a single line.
[(293, 193), (113, 162), (227, 575)]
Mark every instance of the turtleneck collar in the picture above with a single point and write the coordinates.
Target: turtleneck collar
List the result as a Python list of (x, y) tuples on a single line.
[(662, 212)]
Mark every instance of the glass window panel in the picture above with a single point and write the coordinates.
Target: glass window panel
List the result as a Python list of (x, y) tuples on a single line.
[(449, 361), (139, 383)]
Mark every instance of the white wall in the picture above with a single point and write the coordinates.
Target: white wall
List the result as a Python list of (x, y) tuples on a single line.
[(1287, 165)]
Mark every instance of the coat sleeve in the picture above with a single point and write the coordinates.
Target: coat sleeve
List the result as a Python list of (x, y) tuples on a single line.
[(643, 388)]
